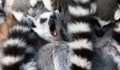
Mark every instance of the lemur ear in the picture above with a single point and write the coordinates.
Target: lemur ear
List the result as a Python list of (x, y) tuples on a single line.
[(18, 15), (57, 12)]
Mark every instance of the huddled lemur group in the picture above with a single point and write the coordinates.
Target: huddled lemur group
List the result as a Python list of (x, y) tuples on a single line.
[(59, 35)]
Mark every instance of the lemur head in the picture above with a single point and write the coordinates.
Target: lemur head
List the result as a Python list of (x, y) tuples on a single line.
[(48, 25)]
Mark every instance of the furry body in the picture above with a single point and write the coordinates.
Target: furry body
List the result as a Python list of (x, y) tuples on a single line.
[(75, 17), (79, 28), (80, 25), (20, 46), (25, 40)]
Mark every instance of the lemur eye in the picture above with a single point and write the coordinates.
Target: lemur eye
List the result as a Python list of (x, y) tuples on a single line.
[(43, 20)]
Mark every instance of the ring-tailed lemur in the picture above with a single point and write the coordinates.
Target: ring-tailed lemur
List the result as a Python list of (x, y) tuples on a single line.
[(49, 27), (79, 24), (23, 42)]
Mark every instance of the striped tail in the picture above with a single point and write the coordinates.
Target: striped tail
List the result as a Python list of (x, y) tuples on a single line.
[(80, 28), (81, 45), (16, 50)]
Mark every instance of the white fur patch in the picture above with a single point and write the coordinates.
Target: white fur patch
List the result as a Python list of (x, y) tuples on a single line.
[(117, 14), (48, 4), (9, 2), (116, 45), (102, 22), (56, 63), (20, 28), (78, 27), (10, 60), (82, 62), (18, 15), (33, 2), (18, 42), (93, 8), (1, 1), (43, 29), (79, 44), (8, 5), (117, 29), (46, 15), (82, 1), (78, 11), (44, 33)]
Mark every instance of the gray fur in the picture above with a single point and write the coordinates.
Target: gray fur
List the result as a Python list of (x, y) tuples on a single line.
[(103, 59), (106, 9), (21, 5), (37, 9), (47, 55)]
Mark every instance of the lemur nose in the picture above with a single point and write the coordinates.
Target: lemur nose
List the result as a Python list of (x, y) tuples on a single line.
[(53, 16), (52, 19)]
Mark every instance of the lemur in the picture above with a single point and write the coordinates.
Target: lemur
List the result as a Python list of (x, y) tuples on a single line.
[(49, 27), (20, 33), (24, 41), (67, 14), (79, 22), (70, 11), (111, 48)]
